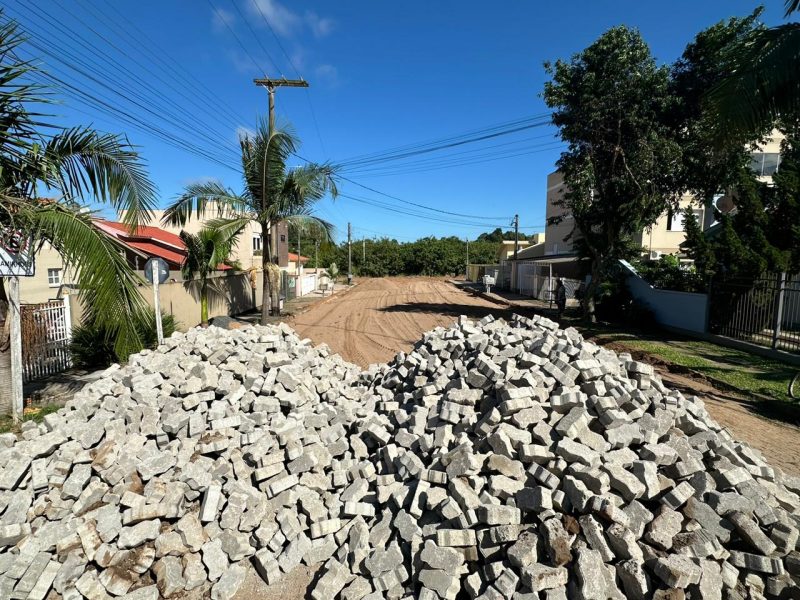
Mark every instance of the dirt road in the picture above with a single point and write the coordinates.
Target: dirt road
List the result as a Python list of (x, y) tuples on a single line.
[(380, 317)]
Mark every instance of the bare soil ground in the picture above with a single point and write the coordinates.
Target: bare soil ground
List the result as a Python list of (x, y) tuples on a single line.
[(380, 317)]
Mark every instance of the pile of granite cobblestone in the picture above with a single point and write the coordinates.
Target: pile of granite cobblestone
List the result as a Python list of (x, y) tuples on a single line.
[(494, 460)]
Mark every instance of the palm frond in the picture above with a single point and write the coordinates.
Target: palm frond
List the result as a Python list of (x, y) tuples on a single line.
[(765, 83), (108, 287), (228, 230), (265, 156), (81, 162), (201, 196), (18, 125), (312, 224), (791, 6)]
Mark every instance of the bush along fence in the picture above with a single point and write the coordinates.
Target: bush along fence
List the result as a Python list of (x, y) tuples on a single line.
[(763, 310)]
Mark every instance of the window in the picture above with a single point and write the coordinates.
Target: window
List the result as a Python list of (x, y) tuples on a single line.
[(54, 277), (765, 164), (675, 220), (256, 243), (283, 238)]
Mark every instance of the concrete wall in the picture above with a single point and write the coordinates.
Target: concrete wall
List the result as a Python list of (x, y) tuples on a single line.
[(677, 310), (228, 295)]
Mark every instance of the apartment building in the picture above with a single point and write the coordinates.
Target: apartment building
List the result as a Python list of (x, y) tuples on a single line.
[(667, 233)]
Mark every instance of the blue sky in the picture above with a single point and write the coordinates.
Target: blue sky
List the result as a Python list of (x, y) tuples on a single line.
[(382, 74)]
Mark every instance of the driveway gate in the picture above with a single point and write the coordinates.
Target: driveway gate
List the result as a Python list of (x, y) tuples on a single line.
[(46, 336)]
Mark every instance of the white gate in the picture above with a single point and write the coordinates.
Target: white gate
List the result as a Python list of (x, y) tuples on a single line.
[(46, 336)]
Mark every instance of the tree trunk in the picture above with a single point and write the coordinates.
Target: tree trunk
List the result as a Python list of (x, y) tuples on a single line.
[(204, 302), (589, 295), (5, 352), (269, 289)]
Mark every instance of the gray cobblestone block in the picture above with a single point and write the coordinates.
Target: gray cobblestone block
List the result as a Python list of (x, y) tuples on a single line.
[(751, 533), (539, 577), (785, 537), (677, 571), (455, 537), (666, 525), (678, 496), (634, 579), (756, 562), (623, 542)]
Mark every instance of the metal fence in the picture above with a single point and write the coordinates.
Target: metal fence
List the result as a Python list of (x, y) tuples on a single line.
[(764, 311), (46, 336)]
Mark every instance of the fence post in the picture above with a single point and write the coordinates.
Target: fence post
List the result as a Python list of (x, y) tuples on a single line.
[(776, 325)]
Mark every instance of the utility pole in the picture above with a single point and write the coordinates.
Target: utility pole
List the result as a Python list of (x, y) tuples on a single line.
[(271, 85), (467, 271), (14, 314), (364, 250), (516, 235), (349, 255)]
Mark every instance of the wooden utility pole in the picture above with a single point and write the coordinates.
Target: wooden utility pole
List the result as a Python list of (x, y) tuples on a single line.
[(14, 314), (516, 235), (349, 255), (271, 84), (364, 250), (467, 271)]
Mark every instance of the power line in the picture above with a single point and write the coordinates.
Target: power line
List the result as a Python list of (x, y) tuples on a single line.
[(296, 71), (258, 41), (438, 210), (92, 70), (449, 142), (222, 18)]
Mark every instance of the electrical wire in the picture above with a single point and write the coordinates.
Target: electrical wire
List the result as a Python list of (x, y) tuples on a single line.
[(258, 40)]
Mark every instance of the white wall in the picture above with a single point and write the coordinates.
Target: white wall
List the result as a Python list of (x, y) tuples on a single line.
[(679, 310)]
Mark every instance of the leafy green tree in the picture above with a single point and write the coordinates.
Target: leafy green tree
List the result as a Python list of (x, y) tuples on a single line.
[(73, 165), (205, 252), (764, 81), (272, 193), (763, 232), (610, 103), (711, 162)]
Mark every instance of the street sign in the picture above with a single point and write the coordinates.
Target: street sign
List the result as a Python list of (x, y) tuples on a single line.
[(156, 271), (16, 254), (160, 266)]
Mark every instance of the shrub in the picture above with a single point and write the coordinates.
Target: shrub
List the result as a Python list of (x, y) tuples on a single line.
[(668, 274), (93, 347)]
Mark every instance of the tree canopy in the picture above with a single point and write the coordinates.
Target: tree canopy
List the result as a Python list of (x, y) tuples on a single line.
[(610, 103)]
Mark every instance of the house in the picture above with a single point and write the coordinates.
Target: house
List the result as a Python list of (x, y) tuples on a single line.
[(667, 233), (248, 251), (145, 243), (292, 265), (52, 279), (506, 250)]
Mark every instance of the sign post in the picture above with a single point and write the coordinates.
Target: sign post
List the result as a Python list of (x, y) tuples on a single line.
[(16, 260), (156, 271)]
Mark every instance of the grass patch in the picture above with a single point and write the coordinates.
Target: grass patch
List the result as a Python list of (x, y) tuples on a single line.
[(34, 413), (744, 371)]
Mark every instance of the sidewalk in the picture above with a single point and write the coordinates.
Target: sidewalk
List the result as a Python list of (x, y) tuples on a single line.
[(510, 299)]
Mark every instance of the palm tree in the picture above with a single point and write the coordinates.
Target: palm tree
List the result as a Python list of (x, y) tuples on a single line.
[(765, 84), (272, 193), (205, 251), (36, 158)]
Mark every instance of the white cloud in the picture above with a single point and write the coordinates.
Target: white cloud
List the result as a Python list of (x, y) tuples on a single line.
[(320, 26), (222, 19), (286, 22), (283, 20)]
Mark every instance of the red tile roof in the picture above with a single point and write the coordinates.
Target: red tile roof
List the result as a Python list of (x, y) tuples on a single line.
[(150, 241), (293, 257)]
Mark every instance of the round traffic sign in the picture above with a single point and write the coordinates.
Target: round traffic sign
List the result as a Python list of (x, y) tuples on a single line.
[(160, 266)]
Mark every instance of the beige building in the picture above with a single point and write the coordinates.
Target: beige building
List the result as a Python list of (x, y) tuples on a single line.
[(248, 250), (667, 233), (52, 279)]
